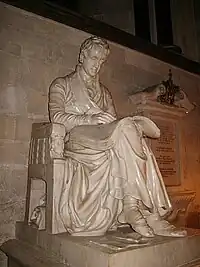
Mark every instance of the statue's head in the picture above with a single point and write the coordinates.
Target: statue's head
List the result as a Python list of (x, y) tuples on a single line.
[(93, 53)]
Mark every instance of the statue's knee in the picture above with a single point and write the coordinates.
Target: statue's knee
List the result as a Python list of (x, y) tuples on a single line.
[(127, 120), (127, 124)]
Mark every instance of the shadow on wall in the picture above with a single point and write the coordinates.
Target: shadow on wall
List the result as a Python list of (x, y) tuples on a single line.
[(193, 220)]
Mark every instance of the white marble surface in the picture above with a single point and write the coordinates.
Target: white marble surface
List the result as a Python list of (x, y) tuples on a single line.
[(111, 175)]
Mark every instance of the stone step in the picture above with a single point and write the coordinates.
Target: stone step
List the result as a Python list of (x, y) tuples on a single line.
[(116, 249), (21, 254)]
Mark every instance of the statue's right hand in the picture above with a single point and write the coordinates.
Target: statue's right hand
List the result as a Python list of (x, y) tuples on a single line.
[(102, 118)]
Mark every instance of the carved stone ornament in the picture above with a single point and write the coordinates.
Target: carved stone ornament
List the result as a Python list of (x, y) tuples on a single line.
[(56, 142), (166, 93), (171, 91)]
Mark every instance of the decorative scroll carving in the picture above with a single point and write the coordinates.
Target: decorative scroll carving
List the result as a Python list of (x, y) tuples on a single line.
[(165, 93), (56, 141), (181, 202)]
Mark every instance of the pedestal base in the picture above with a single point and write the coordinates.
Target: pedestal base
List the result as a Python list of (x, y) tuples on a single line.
[(116, 249)]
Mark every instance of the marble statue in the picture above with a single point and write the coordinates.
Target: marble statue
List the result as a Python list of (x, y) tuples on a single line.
[(111, 175)]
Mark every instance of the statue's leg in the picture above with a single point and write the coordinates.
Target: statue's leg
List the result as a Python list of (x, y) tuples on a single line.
[(134, 217), (153, 218)]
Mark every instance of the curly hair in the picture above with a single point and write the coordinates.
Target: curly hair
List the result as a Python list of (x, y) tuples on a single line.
[(89, 43)]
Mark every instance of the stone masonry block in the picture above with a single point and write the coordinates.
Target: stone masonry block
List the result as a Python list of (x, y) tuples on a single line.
[(7, 125), (12, 198), (12, 152), (10, 68), (31, 74), (23, 20), (145, 62), (37, 102), (10, 42), (23, 129), (144, 79), (123, 74), (12, 95), (117, 54), (25, 44), (15, 17)]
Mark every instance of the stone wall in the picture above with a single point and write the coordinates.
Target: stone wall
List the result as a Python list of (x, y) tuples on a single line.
[(34, 51)]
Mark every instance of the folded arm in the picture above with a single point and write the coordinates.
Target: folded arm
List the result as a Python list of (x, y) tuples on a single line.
[(59, 95)]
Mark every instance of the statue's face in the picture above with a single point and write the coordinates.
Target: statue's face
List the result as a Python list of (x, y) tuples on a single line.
[(93, 60)]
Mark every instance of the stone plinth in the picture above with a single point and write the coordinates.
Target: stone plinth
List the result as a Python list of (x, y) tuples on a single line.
[(116, 249)]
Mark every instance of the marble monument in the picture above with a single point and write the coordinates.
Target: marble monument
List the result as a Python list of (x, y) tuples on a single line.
[(95, 194), (111, 175)]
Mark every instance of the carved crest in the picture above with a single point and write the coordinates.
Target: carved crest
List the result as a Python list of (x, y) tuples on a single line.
[(170, 91), (166, 93)]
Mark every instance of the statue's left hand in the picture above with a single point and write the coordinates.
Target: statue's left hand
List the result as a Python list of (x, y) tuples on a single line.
[(102, 118)]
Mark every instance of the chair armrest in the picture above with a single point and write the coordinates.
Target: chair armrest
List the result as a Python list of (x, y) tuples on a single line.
[(47, 129), (47, 139)]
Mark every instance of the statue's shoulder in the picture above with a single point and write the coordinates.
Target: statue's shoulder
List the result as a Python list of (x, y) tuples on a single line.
[(62, 81), (58, 81)]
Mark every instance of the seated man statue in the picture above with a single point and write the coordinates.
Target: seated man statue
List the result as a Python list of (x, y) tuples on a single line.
[(111, 176)]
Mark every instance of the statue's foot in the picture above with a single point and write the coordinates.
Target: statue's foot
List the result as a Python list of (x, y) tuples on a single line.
[(164, 228), (139, 224), (171, 232), (132, 215), (143, 230)]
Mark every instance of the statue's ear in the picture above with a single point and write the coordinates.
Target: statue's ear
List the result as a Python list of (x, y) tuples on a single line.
[(149, 128)]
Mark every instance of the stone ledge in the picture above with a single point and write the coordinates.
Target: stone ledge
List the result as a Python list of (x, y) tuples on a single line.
[(195, 263), (115, 249), (24, 255)]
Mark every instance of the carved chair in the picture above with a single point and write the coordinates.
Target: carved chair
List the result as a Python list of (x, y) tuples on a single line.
[(46, 169)]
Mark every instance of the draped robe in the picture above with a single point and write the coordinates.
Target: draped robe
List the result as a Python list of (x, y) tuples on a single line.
[(104, 163)]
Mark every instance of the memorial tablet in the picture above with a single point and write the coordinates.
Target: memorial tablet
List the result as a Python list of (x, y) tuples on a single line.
[(166, 151)]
